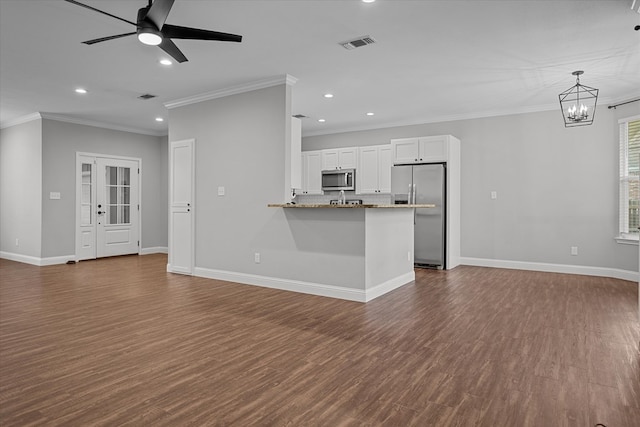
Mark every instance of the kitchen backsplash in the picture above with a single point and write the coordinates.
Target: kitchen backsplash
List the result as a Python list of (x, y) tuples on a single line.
[(367, 199)]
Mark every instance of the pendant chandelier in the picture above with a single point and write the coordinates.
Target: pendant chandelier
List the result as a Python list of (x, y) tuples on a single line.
[(578, 103)]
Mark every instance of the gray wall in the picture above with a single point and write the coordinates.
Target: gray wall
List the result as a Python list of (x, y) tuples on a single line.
[(60, 143), (557, 187), (20, 189), (240, 144)]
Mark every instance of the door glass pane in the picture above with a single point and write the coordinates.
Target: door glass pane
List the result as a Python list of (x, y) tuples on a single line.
[(85, 215), (86, 193), (124, 176), (86, 173), (118, 195), (112, 175), (124, 196), (86, 204), (112, 215), (112, 195), (124, 214)]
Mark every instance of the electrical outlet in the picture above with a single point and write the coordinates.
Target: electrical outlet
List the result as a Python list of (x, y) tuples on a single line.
[(220, 191), (17, 242), (574, 250), (54, 195), (408, 255), (494, 195), (256, 257)]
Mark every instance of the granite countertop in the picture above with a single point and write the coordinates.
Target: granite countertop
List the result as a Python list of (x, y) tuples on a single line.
[(364, 206)]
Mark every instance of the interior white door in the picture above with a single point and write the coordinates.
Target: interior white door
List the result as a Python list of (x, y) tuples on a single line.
[(181, 209), (117, 207)]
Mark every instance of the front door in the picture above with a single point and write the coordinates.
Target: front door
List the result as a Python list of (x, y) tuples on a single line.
[(108, 208)]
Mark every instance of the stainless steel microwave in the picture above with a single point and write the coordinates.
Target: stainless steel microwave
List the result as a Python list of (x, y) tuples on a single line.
[(340, 179)]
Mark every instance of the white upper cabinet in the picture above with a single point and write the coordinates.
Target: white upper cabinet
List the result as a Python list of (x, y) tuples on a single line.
[(429, 149), (374, 171), (405, 150), (312, 172), (342, 158)]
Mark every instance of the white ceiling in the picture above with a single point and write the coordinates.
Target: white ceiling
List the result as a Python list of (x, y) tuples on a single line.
[(433, 60)]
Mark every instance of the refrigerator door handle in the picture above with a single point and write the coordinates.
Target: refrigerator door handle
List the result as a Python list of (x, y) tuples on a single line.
[(413, 201)]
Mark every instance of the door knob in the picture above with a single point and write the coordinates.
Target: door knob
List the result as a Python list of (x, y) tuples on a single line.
[(100, 212)]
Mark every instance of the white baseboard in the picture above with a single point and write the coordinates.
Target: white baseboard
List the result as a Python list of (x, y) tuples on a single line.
[(27, 259), (284, 284), (552, 268), (389, 285), (318, 289), (154, 250)]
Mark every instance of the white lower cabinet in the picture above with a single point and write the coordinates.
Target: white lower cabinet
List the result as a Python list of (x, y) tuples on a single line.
[(312, 172), (373, 174)]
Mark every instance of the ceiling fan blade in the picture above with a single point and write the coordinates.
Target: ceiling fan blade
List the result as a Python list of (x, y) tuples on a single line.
[(104, 39), (170, 47), (177, 32), (159, 11), (100, 11)]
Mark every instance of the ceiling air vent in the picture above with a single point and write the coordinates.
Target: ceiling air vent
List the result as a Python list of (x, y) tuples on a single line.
[(146, 96), (359, 42)]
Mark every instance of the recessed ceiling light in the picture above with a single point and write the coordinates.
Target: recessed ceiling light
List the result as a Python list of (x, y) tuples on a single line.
[(370, 114), (328, 95), (321, 120), (159, 119), (81, 90), (368, 1), (165, 62)]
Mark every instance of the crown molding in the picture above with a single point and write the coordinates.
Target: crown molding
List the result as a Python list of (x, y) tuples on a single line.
[(233, 90), (20, 120), (437, 119), (98, 124), (77, 121), (602, 103)]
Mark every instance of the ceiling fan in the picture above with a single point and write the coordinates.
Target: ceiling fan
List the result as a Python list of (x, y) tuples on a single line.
[(152, 30)]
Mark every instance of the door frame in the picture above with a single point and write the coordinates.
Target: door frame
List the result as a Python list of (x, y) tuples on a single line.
[(78, 182)]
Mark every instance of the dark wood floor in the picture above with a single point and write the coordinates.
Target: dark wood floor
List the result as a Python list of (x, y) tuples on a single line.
[(121, 342)]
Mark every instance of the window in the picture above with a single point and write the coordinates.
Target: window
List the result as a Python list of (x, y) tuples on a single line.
[(629, 178)]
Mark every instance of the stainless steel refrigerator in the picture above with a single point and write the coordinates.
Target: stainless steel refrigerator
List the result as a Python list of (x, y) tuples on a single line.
[(424, 184)]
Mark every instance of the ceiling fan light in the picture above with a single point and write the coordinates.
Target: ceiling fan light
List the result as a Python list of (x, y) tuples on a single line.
[(150, 36)]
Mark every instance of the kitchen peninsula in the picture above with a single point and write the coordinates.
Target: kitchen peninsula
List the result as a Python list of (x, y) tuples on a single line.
[(354, 252)]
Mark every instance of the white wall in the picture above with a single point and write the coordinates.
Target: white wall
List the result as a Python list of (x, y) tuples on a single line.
[(21, 189), (240, 145), (557, 187), (60, 143)]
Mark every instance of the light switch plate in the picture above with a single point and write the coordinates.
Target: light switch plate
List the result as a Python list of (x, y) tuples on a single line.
[(54, 195)]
